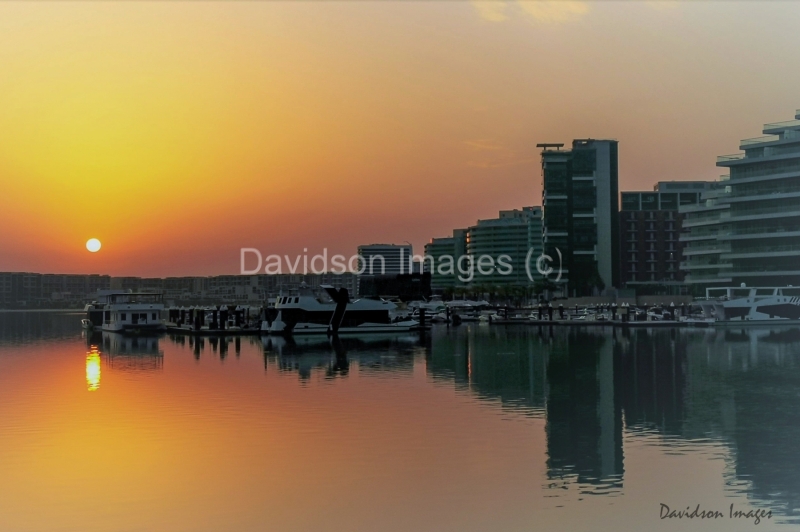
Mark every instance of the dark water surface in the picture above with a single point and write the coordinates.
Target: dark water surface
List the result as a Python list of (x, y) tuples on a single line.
[(466, 429)]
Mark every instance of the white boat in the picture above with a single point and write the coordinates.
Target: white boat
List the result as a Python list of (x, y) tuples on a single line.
[(308, 313), (432, 306), (471, 316), (441, 317), (467, 304), (486, 317), (751, 306), (124, 311)]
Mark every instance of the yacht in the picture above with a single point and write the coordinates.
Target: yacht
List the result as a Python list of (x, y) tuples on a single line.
[(309, 313), (432, 306), (751, 306), (125, 311)]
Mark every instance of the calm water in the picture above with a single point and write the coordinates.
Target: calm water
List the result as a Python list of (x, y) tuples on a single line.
[(474, 428)]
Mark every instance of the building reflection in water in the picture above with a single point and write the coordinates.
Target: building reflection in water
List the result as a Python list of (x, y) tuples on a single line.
[(650, 379), (743, 385), (737, 388), (584, 419), (494, 363), (691, 387), (564, 375)]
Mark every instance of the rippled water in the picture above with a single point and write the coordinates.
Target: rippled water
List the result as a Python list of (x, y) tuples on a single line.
[(471, 428)]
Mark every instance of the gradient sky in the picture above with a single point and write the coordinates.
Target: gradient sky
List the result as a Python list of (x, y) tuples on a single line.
[(179, 132)]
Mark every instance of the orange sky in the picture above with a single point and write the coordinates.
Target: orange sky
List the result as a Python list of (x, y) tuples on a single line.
[(177, 133)]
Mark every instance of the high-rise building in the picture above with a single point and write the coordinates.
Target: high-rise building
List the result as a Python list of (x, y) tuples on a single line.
[(705, 224), (650, 225), (438, 249), (763, 221), (507, 239), (386, 259), (381, 264), (581, 213), (511, 238)]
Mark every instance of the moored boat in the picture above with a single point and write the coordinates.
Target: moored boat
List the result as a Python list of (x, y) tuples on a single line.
[(751, 306), (308, 313), (125, 311)]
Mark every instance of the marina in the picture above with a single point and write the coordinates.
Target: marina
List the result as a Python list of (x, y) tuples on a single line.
[(399, 266), (330, 311)]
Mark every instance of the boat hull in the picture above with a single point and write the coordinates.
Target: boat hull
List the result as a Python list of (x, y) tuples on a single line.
[(301, 329), (147, 328), (757, 323)]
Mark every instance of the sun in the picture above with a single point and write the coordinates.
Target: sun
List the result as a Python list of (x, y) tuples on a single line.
[(93, 245)]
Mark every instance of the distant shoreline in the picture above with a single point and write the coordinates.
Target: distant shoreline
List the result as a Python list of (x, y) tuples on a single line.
[(64, 310)]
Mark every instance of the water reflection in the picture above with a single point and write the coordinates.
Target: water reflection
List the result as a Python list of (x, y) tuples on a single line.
[(694, 388), (581, 404), (93, 369), (744, 386), (564, 375), (333, 356), (26, 327), (584, 419), (127, 353), (650, 380), (495, 363), (219, 345)]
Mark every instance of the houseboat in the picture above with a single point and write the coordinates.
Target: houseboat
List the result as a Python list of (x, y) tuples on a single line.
[(125, 311)]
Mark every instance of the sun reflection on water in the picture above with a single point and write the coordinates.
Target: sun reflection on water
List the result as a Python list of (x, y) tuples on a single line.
[(93, 369)]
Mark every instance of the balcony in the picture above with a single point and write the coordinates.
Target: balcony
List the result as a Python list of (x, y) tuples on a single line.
[(787, 250), (747, 233), (708, 221), (762, 175), (706, 250), (766, 212), (778, 127), (698, 237), (763, 192), (705, 278), (765, 273), (704, 266), (758, 140), (729, 158)]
